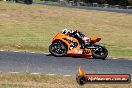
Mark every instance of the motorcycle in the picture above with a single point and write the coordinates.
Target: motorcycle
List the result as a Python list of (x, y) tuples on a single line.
[(65, 45)]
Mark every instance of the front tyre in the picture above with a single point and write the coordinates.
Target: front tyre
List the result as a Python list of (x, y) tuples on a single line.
[(100, 52), (58, 49)]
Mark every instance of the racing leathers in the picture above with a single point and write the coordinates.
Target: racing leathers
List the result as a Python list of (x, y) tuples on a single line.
[(83, 40)]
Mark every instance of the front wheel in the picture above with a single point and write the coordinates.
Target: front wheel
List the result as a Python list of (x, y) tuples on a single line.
[(58, 49), (100, 52)]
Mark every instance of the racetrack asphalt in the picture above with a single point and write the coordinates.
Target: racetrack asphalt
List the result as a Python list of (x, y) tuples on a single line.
[(127, 11), (42, 63)]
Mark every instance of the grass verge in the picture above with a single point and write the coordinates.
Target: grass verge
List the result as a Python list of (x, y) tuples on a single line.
[(25, 80), (31, 27)]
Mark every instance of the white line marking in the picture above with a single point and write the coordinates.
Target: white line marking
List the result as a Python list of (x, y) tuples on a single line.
[(41, 73), (25, 51), (16, 51), (14, 72), (35, 73), (115, 58), (51, 74), (46, 53), (2, 50), (32, 52), (67, 75)]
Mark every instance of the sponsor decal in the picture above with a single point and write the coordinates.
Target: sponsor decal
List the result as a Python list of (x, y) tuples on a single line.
[(86, 51), (78, 51)]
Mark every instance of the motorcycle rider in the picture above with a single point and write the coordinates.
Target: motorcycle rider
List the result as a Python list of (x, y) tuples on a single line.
[(83, 40)]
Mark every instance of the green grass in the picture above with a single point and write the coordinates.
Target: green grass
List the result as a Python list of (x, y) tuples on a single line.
[(26, 80), (31, 27)]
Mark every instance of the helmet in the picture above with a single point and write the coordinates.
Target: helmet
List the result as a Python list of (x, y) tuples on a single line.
[(65, 31), (74, 31)]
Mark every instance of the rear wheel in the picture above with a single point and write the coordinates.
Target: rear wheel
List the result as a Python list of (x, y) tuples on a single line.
[(58, 49), (100, 52)]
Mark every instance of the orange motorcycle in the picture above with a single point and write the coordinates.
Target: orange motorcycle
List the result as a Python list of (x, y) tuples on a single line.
[(65, 45)]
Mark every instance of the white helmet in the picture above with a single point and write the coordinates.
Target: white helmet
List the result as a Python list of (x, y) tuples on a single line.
[(65, 31)]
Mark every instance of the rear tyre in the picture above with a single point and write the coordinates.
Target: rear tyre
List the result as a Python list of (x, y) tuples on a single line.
[(58, 49), (100, 52)]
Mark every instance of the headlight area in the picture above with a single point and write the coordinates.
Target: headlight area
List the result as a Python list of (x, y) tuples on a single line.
[(72, 43)]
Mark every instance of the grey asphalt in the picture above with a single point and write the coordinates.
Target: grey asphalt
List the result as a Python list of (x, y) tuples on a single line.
[(41, 63), (127, 11)]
